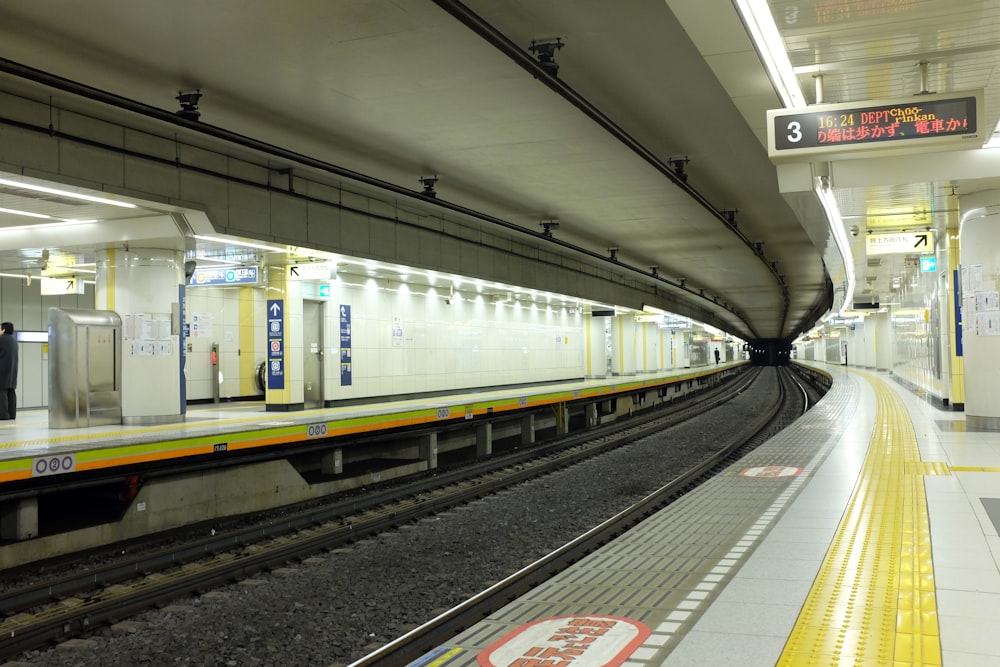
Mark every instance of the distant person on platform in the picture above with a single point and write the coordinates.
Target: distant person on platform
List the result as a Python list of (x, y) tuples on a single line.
[(8, 371), (716, 356)]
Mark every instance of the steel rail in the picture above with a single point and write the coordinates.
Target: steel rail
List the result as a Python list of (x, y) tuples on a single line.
[(437, 631), (108, 606)]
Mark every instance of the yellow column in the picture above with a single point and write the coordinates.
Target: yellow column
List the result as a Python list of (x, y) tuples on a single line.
[(277, 288), (954, 246), (249, 352)]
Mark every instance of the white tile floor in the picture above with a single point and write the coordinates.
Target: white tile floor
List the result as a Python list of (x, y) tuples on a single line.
[(964, 540), (749, 622)]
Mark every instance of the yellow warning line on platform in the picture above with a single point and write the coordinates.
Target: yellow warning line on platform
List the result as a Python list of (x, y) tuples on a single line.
[(873, 601)]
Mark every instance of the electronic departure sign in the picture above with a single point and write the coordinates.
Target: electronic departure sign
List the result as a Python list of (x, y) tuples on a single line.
[(925, 121)]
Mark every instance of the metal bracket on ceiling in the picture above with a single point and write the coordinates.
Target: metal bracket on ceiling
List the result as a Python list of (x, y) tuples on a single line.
[(678, 164), (545, 51), (428, 183), (189, 104)]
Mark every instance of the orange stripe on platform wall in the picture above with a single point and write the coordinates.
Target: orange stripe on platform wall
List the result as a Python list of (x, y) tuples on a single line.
[(873, 601), (172, 450)]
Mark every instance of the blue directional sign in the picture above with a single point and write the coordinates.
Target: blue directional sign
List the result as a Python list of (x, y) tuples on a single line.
[(345, 345), (237, 275), (275, 343), (928, 264), (275, 318)]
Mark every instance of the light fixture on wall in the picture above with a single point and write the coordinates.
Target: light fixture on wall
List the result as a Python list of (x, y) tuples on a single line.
[(188, 100), (545, 51), (428, 182)]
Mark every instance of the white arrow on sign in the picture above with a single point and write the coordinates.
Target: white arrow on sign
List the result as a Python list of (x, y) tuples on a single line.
[(275, 310)]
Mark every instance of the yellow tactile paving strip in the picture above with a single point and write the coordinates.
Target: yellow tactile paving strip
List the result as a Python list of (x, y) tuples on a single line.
[(873, 602)]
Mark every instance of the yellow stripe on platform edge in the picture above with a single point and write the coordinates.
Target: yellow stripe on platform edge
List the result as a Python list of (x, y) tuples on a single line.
[(873, 601)]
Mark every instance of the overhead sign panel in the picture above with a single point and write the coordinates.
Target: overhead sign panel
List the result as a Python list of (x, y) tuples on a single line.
[(902, 242), (310, 271), (57, 286), (237, 275), (941, 121)]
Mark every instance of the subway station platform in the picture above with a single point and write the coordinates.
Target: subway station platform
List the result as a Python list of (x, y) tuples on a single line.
[(29, 448), (64, 490), (865, 534)]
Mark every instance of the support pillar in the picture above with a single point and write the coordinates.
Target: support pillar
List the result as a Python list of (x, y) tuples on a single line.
[(484, 439), (883, 341), (285, 388), (19, 519), (597, 346), (590, 411), (979, 284), (429, 450), (332, 463), (623, 345), (562, 419), (528, 430), (145, 286)]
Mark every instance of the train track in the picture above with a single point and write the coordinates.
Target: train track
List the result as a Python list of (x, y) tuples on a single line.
[(439, 630), (73, 605)]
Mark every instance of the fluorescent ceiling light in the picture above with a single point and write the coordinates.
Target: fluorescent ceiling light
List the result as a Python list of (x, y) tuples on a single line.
[(46, 225), (219, 262), (65, 193), (26, 214), (760, 24), (246, 244)]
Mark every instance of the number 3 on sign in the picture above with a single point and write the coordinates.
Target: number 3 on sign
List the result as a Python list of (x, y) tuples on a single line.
[(794, 132)]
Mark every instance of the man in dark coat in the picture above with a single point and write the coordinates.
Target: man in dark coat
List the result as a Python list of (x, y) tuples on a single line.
[(8, 371)]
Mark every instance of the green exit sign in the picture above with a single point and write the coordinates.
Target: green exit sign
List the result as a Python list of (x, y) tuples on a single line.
[(928, 264)]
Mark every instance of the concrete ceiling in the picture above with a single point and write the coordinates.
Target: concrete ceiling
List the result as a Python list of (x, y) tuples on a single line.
[(403, 89)]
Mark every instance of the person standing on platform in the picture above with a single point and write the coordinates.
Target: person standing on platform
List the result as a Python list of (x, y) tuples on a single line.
[(8, 371), (717, 355)]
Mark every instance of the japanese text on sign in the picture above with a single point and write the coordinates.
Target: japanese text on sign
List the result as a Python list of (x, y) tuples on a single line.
[(275, 343), (845, 126), (574, 641), (346, 371), (240, 275)]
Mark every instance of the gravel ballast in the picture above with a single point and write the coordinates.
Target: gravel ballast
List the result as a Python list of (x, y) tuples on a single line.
[(336, 607)]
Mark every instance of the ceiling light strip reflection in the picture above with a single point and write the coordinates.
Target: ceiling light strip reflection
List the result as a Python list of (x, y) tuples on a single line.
[(65, 193), (760, 24), (829, 203)]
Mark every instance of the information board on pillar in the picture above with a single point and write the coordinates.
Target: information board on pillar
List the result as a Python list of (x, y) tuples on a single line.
[(938, 121), (345, 345), (275, 343)]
